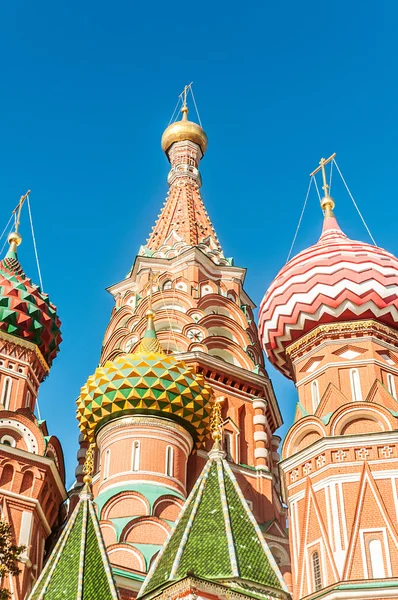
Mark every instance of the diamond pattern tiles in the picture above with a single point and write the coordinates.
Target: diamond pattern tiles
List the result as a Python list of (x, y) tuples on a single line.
[(145, 382), (25, 311)]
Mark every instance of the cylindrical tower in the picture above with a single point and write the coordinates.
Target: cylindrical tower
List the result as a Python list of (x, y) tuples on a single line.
[(329, 321), (146, 411)]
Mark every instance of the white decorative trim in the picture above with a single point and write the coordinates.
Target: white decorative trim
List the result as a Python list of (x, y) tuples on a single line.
[(260, 453), (259, 420), (260, 436)]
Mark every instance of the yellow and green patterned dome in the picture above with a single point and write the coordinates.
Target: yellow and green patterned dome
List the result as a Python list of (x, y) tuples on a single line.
[(148, 381)]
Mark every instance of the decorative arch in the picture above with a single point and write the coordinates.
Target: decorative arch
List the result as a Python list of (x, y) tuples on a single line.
[(304, 433), (280, 554), (229, 351), (108, 533), (214, 303), (27, 483), (167, 507), (7, 476), (145, 528), (360, 418), (125, 504), (126, 556)]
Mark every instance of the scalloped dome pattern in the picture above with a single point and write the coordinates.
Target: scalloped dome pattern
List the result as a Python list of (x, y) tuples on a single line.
[(337, 279), (26, 311), (145, 382)]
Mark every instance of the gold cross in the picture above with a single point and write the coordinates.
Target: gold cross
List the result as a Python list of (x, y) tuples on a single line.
[(184, 93), (18, 208), (322, 163)]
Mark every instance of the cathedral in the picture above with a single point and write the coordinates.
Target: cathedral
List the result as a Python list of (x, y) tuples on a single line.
[(183, 489)]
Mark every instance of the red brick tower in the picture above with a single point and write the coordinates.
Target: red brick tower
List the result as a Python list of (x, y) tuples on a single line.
[(329, 321), (203, 317), (31, 462)]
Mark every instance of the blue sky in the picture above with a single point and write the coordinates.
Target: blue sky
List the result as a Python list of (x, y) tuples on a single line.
[(86, 92)]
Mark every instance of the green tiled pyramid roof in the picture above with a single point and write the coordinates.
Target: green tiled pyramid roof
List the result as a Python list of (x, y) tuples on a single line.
[(78, 568), (216, 537)]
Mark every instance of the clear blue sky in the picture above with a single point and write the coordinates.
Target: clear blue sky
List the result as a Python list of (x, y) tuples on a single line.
[(87, 89)]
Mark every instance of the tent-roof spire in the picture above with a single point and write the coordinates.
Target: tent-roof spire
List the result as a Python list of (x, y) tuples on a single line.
[(216, 521)]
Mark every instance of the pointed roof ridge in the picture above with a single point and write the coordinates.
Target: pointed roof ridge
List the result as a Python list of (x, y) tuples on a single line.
[(216, 519), (79, 562)]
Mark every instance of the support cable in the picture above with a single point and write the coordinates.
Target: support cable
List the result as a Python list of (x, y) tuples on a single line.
[(331, 176), (300, 219), (317, 189), (6, 227), (34, 243), (174, 111), (355, 204), (196, 108)]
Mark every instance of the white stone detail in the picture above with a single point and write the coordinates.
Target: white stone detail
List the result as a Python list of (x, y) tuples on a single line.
[(259, 420), (260, 436), (260, 404), (320, 461), (260, 453), (307, 469)]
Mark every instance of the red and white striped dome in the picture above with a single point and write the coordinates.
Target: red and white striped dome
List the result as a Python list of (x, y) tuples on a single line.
[(337, 279)]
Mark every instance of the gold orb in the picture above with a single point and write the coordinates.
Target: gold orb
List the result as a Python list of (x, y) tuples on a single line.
[(14, 238), (184, 130), (327, 202)]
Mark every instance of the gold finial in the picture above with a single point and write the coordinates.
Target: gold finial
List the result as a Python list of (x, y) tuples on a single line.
[(327, 203), (216, 421), (14, 239), (183, 96), (88, 467)]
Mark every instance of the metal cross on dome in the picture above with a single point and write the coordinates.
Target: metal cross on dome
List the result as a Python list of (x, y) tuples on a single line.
[(322, 163)]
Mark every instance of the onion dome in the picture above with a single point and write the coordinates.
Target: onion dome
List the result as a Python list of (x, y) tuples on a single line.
[(25, 311), (335, 280), (145, 382), (184, 130)]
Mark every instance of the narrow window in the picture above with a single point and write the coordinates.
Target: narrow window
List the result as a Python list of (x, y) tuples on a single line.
[(106, 463), (228, 445), (376, 559), (167, 285), (355, 385), (28, 399), (5, 398), (316, 570), (391, 385), (315, 395), (136, 456), (170, 461)]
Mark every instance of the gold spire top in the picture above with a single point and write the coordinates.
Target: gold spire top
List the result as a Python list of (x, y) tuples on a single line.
[(88, 467), (14, 238), (216, 422), (327, 202), (184, 130), (149, 341)]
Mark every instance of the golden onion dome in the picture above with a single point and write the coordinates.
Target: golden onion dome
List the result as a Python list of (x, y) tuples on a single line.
[(184, 130)]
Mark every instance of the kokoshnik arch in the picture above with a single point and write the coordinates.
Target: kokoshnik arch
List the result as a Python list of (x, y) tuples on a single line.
[(180, 489)]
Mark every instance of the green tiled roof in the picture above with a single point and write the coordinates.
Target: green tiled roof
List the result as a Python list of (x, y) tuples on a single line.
[(216, 537), (78, 568)]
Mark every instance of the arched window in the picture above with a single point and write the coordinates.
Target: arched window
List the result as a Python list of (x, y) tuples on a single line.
[(355, 385), (315, 395), (5, 397), (391, 385), (167, 285), (170, 461), (107, 463), (136, 456), (376, 559), (316, 570)]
